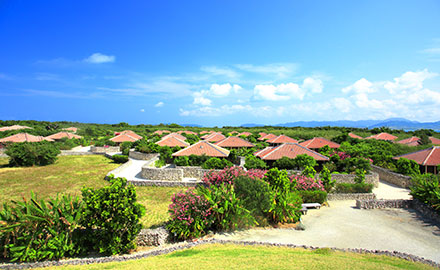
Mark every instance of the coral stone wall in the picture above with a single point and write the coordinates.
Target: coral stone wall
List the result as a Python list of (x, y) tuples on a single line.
[(371, 178), (392, 177), (166, 174), (142, 156), (100, 149)]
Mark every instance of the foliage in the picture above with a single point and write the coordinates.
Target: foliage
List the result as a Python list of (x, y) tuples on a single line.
[(216, 163), (32, 153), (181, 161), (166, 154), (223, 177), (426, 188), (325, 150), (252, 162), (313, 196), (360, 176), (255, 195), (286, 206), (353, 188), (407, 167), (303, 160), (227, 210), (424, 139), (144, 146), (37, 230), (307, 183), (125, 147), (191, 138), (194, 160), (309, 172), (190, 215), (111, 216), (285, 163), (120, 158), (326, 179), (104, 141), (67, 144), (159, 163)]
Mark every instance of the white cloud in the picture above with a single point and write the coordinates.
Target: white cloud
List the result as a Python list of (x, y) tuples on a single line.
[(342, 104), (278, 92), (312, 84), (222, 90), (199, 99), (359, 87), (217, 71), (159, 104), (99, 58), (142, 110), (409, 81), (281, 70), (432, 50)]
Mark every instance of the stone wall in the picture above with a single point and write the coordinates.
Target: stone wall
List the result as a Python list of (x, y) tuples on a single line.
[(153, 237), (101, 149), (194, 172), (350, 196), (392, 177), (142, 156), (76, 153), (163, 174), (371, 178)]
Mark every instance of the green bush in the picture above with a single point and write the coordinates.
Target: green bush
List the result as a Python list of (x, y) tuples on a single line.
[(32, 153), (120, 158), (286, 206), (303, 160), (36, 230), (309, 172), (313, 196), (125, 147), (227, 210), (252, 162), (111, 216), (181, 161), (195, 160), (67, 144), (285, 163), (426, 188), (326, 178), (407, 167), (353, 188), (159, 163), (144, 146), (216, 163), (256, 196), (360, 176)]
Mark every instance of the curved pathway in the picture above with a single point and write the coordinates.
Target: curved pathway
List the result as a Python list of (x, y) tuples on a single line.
[(342, 225)]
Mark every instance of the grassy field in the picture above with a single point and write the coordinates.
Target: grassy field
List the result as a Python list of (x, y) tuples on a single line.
[(215, 256), (69, 174)]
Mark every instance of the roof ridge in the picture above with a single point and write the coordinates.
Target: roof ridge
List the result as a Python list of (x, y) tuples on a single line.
[(215, 147), (429, 155)]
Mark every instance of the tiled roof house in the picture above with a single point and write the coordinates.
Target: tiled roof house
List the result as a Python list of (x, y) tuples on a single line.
[(267, 137), (319, 142), (234, 142), (354, 136), (290, 150), (160, 132), (281, 139), (175, 135), (63, 134), (434, 140), (203, 148), (129, 132), (14, 127), (172, 141), (413, 141), (214, 137), (126, 136), (428, 159), (382, 136), (72, 129), (245, 133), (187, 132), (24, 137)]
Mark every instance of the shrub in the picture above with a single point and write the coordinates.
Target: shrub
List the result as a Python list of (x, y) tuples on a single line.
[(252, 162), (190, 215), (194, 160), (256, 196), (181, 161), (286, 206), (353, 188), (407, 167), (166, 154), (303, 160), (32, 153), (360, 176), (307, 183), (426, 188), (159, 163), (216, 163), (309, 172), (223, 177), (326, 179), (66, 144), (285, 163), (120, 158), (147, 147), (313, 196), (227, 211), (125, 147), (111, 216), (36, 230)]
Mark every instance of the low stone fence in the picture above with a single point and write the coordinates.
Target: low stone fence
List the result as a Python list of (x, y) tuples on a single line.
[(371, 178), (101, 149), (350, 196), (153, 237), (76, 153), (392, 177), (142, 156), (161, 183), (163, 174), (423, 209)]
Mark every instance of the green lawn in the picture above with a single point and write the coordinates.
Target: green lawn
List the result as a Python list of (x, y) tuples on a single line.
[(216, 256), (69, 174)]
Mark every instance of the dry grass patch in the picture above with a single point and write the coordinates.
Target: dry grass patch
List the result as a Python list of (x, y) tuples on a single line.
[(216, 256)]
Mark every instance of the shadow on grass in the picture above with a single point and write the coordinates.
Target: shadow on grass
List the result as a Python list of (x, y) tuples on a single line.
[(184, 253)]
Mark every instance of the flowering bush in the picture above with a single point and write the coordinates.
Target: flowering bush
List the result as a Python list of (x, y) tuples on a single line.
[(189, 215), (307, 183), (342, 155), (227, 175)]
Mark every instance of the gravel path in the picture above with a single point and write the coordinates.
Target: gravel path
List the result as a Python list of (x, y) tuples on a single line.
[(133, 172), (342, 225)]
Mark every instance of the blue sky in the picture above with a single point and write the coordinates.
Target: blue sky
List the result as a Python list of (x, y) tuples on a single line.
[(219, 62)]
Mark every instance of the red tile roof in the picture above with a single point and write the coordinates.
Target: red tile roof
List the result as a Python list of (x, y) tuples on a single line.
[(123, 138), (383, 136), (262, 134), (172, 141), (63, 134), (175, 135), (290, 150), (234, 142), (234, 132), (354, 136), (282, 139), (160, 132), (413, 141), (73, 129), (267, 137), (25, 137), (206, 132), (214, 137), (426, 157), (203, 148), (130, 133), (434, 140), (245, 134), (319, 142), (14, 127), (187, 132)]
